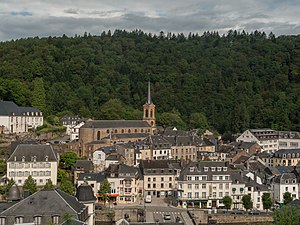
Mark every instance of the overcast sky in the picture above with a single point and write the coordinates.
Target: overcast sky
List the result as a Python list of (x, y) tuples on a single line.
[(29, 18)]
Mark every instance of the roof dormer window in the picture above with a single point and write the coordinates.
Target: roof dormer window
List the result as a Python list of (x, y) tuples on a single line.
[(224, 168), (219, 169), (205, 169), (23, 158), (213, 169), (192, 169), (46, 158)]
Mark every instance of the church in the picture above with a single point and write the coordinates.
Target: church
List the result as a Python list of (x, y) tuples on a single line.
[(95, 134)]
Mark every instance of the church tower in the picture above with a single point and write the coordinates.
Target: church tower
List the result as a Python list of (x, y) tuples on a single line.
[(149, 109)]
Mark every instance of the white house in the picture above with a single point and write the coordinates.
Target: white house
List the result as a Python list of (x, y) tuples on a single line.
[(36, 160), (99, 157), (74, 131), (268, 139), (286, 182), (289, 140), (15, 119)]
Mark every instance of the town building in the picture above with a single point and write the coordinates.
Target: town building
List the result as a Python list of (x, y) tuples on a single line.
[(94, 131), (125, 183), (16, 119), (204, 184), (39, 161), (160, 177), (286, 182), (43, 207), (268, 139), (285, 157)]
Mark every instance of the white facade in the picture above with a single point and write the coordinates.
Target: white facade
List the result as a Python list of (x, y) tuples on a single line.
[(266, 138), (162, 153), (279, 189), (99, 160), (40, 171), (20, 124), (73, 131), (38, 161)]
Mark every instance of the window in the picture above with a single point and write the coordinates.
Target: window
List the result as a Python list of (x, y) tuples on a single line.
[(38, 220), (55, 219), (154, 179), (205, 169), (189, 194), (220, 194), (213, 169), (196, 186), (220, 186), (149, 179), (203, 186), (170, 178), (189, 178), (189, 186), (149, 186), (227, 186), (220, 177), (294, 188), (161, 185), (162, 179), (170, 185), (203, 194), (258, 199), (286, 188), (19, 219), (2, 221), (214, 194), (196, 178), (154, 185)]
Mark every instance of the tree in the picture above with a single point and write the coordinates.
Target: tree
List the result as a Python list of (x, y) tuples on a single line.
[(2, 166), (4, 189), (287, 215), (247, 202), (287, 198), (267, 201), (30, 185), (49, 184), (198, 121), (67, 186), (105, 190), (68, 160), (38, 94), (227, 201)]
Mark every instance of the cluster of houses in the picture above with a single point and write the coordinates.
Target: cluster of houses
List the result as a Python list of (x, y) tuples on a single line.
[(139, 159)]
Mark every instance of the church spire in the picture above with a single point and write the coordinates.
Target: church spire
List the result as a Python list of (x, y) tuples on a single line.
[(149, 94)]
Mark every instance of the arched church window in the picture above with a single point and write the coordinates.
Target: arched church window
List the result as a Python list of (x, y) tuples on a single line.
[(151, 113), (107, 131), (146, 113)]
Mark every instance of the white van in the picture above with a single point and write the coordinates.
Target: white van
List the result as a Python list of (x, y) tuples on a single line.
[(148, 199)]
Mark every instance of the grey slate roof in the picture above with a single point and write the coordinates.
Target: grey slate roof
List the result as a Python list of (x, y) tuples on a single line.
[(92, 176), (8, 107), (45, 202), (115, 124), (289, 134), (285, 178), (84, 193), (280, 152), (28, 151), (86, 165)]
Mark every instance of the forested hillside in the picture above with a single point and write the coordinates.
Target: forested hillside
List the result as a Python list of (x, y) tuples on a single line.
[(236, 81)]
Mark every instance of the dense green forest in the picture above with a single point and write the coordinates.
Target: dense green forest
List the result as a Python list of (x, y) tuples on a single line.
[(235, 81)]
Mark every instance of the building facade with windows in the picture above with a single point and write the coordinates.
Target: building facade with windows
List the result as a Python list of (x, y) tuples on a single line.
[(16, 119), (285, 157), (39, 161), (286, 182), (204, 184), (160, 177)]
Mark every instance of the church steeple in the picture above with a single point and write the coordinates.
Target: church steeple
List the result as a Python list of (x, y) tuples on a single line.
[(149, 94), (149, 109)]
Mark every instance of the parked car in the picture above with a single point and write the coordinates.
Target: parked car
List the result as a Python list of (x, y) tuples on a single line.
[(254, 212), (167, 216)]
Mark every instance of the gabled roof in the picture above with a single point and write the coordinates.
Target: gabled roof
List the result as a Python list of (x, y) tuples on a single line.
[(7, 108), (116, 124), (29, 151), (86, 165), (45, 202), (98, 177), (84, 193)]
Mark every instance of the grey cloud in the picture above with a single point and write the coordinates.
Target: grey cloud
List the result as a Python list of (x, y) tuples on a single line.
[(71, 11)]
